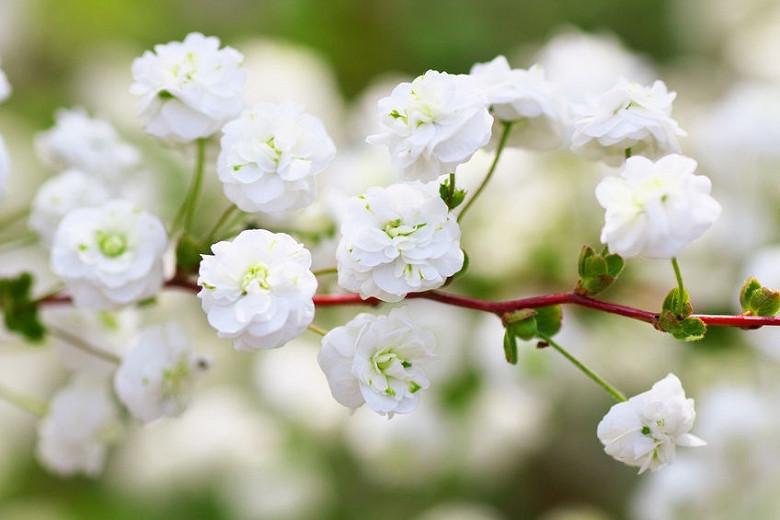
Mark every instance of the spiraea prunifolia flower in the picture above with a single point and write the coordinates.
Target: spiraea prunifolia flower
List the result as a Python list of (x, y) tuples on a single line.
[(655, 209), (645, 430), (80, 424), (188, 90), (433, 124), (84, 143), (628, 115), (157, 375), (379, 360), (5, 167), (110, 255), (257, 289), (526, 99), (270, 157), (55, 198), (396, 240)]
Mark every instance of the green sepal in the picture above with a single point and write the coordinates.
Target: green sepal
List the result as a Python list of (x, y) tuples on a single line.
[(510, 347), (757, 300), (188, 252), (597, 271), (451, 195), (20, 310), (678, 303), (685, 329)]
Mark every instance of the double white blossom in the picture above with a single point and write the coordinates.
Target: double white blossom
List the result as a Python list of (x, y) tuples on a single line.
[(188, 89), (158, 373), (628, 115), (5, 167), (645, 430), (379, 360), (85, 143), (270, 157), (433, 124), (59, 195), (257, 289), (80, 423), (109, 255), (397, 240), (526, 99), (656, 209)]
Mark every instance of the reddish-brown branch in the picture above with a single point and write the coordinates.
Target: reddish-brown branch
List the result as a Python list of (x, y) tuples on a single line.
[(499, 307)]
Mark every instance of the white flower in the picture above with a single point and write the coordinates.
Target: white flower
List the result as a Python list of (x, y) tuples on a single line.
[(59, 195), (5, 167), (88, 144), (158, 373), (5, 86), (270, 157), (525, 98), (656, 209), (433, 124), (397, 240), (379, 360), (645, 430), (628, 115), (257, 289), (188, 89), (109, 256), (80, 423)]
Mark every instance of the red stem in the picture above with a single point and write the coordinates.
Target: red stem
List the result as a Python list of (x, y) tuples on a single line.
[(500, 307)]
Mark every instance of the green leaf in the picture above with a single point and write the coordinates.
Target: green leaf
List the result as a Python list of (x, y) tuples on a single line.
[(451, 195), (750, 286), (690, 329), (510, 347), (548, 320), (20, 310), (757, 300), (597, 271), (615, 264), (678, 303)]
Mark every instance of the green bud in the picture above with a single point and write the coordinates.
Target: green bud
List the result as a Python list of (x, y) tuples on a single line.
[(678, 303), (757, 300), (597, 271), (549, 319)]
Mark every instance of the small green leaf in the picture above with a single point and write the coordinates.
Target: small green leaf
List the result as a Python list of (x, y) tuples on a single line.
[(615, 264), (20, 310), (677, 303), (690, 329), (549, 319), (597, 271), (188, 252), (757, 300), (451, 195), (585, 253), (510, 347)]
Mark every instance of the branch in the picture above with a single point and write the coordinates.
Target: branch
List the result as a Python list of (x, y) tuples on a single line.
[(499, 307)]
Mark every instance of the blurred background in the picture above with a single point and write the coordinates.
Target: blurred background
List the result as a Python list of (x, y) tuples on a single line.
[(263, 437)]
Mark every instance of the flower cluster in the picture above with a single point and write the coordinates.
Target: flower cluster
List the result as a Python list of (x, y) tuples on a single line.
[(398, 240), (257, 289), (270, 157), (188, 90), (645, 430)]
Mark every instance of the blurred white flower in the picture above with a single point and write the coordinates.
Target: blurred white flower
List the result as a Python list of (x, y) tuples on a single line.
[(628, 115), (645, 430), (188, 89), (58, 196), (5, 167), (397, 240), (74, 435), (110, 255), (457, 510), (433, 124), (88, 144), (157, 375), (525, 98), (585, 65), (257, 289), (764, 264), (5, 86), (270, 157), (656, 209), (379, 360)]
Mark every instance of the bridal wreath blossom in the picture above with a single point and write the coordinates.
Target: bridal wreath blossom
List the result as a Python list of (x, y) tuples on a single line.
[(379, 360), (71, 189), (257, 289), (88, 144), (628, 115), (397, 240), (270, 157), (188, 89), (645, 430), (525, 98), (158, 373), (74, 435), (109, 256), (656, 209), (433, 124)]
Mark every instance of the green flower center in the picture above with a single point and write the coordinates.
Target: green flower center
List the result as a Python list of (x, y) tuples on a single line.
[(395, 228), (384, 360), (256, 274), (175, 379), (111, 243)]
